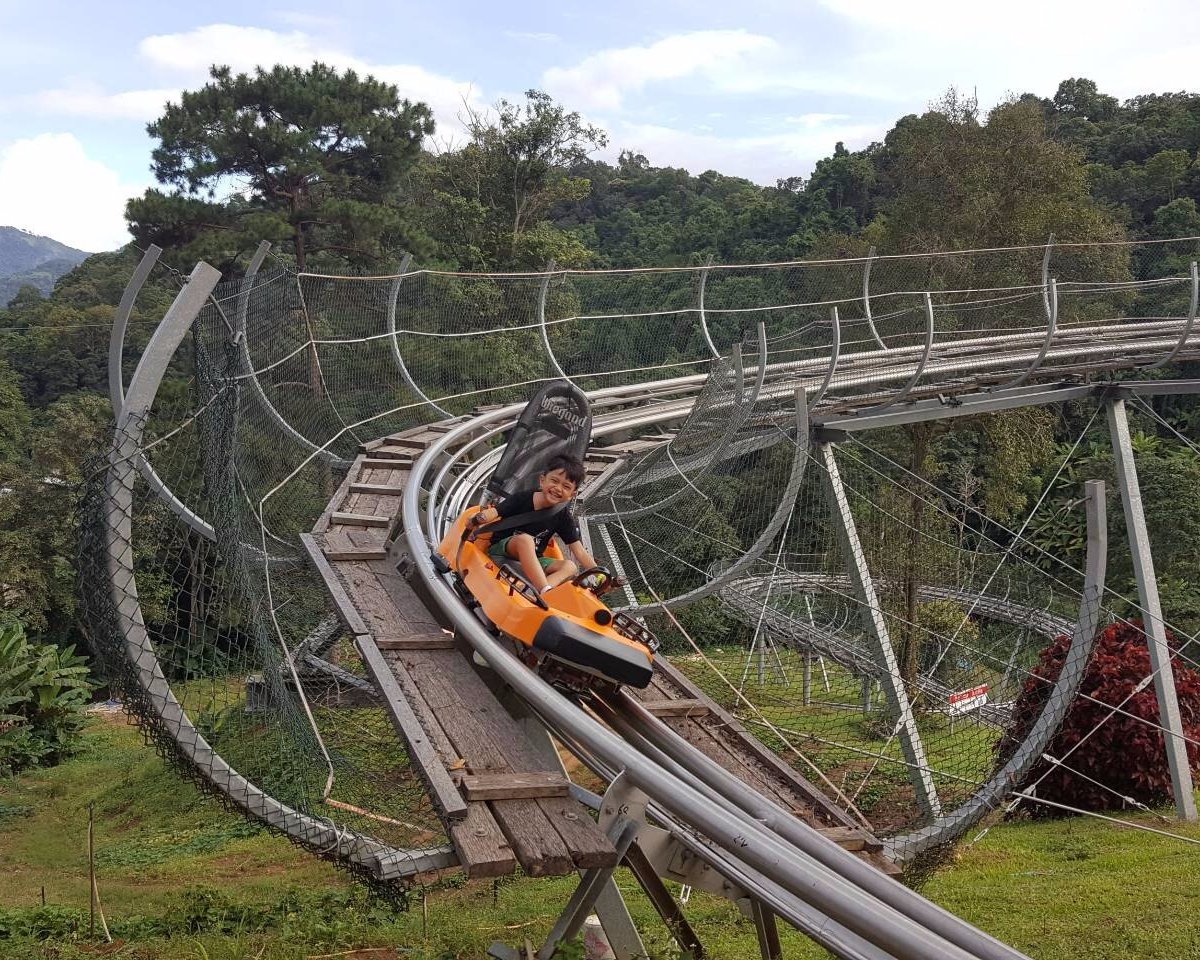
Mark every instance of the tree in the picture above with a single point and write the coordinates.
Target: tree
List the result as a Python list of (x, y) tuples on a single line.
[(311, 158), (487, 203)]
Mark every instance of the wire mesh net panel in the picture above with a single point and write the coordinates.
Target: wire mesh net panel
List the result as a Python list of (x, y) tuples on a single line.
[(241, 671), (247, 684)]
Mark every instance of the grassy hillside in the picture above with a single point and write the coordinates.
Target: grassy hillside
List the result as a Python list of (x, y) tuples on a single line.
[(181, 879)]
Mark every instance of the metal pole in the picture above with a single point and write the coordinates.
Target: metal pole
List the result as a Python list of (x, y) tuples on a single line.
[(1152, 619), (876, 628)]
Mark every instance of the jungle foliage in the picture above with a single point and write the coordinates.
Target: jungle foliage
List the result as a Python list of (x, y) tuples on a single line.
[(339, 172)]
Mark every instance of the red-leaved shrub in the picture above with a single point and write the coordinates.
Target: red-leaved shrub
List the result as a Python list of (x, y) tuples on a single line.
[(1125, 754)]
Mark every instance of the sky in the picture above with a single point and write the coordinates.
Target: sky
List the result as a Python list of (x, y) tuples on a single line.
[(761, 88)]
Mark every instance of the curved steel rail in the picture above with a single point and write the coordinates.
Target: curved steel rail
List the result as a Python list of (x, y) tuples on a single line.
[(251, 375), (394, 341), (835, 352), (866, 299), (543, 295), (116, 392), (712, 347), (735, 422), (740, 835)]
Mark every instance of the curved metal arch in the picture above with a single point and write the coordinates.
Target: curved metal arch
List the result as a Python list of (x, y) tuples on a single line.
[(394, 341), (116, 339), (116, 392), (735, 423), (243, 349), (712, 347), (990, 795), (905, 390), (543, 294), (1050, 308), (835, 352), (1051, 329), (786, 504), (380, 860), (1187, 327), (866, 298)]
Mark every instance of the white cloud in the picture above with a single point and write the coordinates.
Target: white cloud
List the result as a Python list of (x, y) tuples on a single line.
[(50, 186), (921, 47), (86, 99), (601, 82), (242, 48)]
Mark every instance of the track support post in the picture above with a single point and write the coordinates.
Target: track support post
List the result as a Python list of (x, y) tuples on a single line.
[(1152, 618), (877, 631), (622, 813)]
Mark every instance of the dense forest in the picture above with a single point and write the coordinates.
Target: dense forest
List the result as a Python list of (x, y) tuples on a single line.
[(344, 178)]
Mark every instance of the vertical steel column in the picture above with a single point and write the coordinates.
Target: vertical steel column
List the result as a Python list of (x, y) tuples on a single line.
[(876, 628), (767, 931), (1152, 619)]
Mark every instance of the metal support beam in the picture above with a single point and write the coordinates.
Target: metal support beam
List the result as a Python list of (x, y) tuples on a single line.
[(767, 931), (876, 629), (1152, 618), (622, 812)]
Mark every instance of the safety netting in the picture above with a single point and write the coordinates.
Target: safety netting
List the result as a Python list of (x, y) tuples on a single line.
[(713, 499)]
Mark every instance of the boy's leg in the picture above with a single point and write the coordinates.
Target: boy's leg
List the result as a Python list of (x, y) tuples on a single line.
[(522, 547), (560, 571)]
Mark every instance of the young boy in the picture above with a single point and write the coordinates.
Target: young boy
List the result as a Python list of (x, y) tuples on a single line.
[(527, 543)]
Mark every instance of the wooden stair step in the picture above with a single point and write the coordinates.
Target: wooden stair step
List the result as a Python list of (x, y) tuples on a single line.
[(356, 555), (382, 489), (514, 786), (395, 454), (850, 838), (676, 708), (360, 519), (420, 641), (386, 463)]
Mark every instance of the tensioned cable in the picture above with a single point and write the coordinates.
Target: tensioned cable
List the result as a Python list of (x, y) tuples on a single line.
[(932, 255)]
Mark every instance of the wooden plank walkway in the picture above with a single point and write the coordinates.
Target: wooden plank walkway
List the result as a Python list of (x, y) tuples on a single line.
[(500, 803)]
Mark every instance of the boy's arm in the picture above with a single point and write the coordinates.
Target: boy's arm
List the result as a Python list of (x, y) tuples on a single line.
[(582, 557), (486, 515)]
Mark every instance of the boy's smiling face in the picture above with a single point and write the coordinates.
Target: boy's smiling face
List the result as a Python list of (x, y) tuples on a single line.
[(556, 486)]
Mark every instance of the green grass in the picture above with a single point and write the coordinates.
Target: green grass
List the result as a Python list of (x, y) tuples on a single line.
[(182, 880)]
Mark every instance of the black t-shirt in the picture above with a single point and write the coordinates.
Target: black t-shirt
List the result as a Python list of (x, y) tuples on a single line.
[(562, 523)]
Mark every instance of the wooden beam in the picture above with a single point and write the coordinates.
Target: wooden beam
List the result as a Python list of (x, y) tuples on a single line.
[(360, 519), (360, 555), (383, 489), (515, 786), (441, 788), (346, 610), (379, 463), (421, 641), (677, 708)]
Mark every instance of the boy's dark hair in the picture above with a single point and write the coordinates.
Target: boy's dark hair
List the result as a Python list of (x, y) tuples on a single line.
[(569, 465)]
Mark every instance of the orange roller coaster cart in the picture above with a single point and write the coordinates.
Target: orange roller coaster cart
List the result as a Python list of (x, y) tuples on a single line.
[(568, 633)]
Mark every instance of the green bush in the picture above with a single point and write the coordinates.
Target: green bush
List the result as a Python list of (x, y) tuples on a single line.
[(44, 691)]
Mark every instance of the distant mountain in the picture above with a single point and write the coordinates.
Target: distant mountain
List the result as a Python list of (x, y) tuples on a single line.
[(26, 258)]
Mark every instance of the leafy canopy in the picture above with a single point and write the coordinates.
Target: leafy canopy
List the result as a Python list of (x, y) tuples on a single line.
[(311, 158)]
